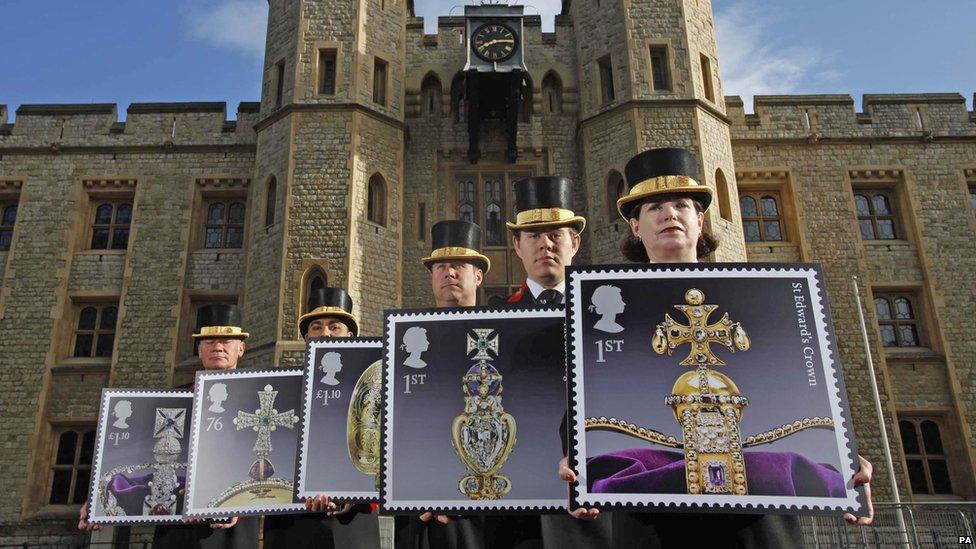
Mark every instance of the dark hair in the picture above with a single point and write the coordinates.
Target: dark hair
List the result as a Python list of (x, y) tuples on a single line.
[(633, 248)]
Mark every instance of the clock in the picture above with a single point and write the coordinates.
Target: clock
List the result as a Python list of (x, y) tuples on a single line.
[(494, 42)]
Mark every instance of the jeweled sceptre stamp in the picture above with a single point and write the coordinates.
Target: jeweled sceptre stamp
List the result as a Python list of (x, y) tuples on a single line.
[(483, 435)]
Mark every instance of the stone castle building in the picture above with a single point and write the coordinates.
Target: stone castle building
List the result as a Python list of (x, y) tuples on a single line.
[(368, 131)]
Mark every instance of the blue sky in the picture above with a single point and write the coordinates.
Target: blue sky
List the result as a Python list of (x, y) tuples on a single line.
[(122, 51)]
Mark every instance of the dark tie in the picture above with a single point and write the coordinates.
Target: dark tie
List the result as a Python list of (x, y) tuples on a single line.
[(550, 297)]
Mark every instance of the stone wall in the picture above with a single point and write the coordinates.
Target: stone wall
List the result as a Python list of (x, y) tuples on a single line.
[(933, 261)]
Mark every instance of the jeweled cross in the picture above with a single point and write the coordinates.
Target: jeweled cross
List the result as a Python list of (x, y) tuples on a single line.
[(483, 344), (699, 333), (264, 420)]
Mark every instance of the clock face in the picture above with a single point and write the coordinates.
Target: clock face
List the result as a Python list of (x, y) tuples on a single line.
[(494, 42)]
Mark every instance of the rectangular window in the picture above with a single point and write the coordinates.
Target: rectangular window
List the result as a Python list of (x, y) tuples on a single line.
[(94, 335), (898, 321), (706, 69), (925, 455), (422, 221), (762, 216), (224, 223), (327, 71), (71, 465), (279, 83), (972, 196), (110, 224), (876, 214), (660, 68), (379, 81), (8, 217), (606, 80)]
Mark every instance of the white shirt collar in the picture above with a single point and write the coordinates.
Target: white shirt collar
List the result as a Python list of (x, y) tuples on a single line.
[(537, 288)]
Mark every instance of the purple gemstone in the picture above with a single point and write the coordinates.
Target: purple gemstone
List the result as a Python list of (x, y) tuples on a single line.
[(716, 474), (261, 469), (482, 375)]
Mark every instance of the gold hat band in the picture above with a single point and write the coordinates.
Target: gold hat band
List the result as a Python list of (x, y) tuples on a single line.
[(459, 253), (663, 183), (329, 310), (229, 332), (543, 215), (453, 251)]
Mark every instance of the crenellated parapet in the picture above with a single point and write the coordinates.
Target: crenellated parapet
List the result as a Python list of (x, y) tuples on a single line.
[(60, 126), (924, 116)]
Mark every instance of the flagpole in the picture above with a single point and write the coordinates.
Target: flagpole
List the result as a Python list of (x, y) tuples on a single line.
[(878, 410)]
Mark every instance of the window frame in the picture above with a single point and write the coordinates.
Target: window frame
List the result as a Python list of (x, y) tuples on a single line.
[(326, 55), (96, 332), (923, 454), (81, 429), (224, 224), (663, 51), (377, 212), (891, 296), (279, 84), (707, 78), (5, 228), (761, 219), (605, 71), (115, 202), (892, 196), (381, 80)]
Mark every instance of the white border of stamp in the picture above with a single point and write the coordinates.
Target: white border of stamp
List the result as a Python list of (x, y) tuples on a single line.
[(211, 512), (389, 503), (346, 343), (96, 469), (582, 497)]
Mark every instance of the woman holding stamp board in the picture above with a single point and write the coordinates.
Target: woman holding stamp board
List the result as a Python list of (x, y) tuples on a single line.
[(665, 210)]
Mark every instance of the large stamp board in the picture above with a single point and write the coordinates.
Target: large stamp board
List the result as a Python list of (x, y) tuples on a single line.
[(139, 468), (338, 451), (770, 432), (444, 366), (243, 443)]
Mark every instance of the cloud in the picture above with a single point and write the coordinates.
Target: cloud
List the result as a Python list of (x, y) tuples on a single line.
[(754, 63), (238, 25)]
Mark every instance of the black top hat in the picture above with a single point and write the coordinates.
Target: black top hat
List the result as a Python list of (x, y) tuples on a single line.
[(219, 321), (662, 171), (334, 302), (545, 201), (458, 241)]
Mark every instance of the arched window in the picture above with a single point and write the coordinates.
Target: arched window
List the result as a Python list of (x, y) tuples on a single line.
[(896, 320), (270, 202), (376, 200), (110, 229), (525, 113), (95, 333), (430, 95), (552, 94), (876, 215), (458, 104), (71, 466), (724, 202), (225, 224), (315, 279), (7, 221), (925, 456), (616, 187), (762, 217)]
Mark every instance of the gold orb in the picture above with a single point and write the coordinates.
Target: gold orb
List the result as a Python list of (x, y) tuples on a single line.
[(694, 296)]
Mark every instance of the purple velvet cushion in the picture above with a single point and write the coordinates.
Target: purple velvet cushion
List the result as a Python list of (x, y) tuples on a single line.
[(647, 471), (130, 492)]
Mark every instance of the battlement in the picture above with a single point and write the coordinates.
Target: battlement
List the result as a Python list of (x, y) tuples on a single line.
[(451, 27), (97, 124), (924, 115)]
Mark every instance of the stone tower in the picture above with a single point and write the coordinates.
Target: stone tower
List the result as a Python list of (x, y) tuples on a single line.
[(328, 166), (649, 78)]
